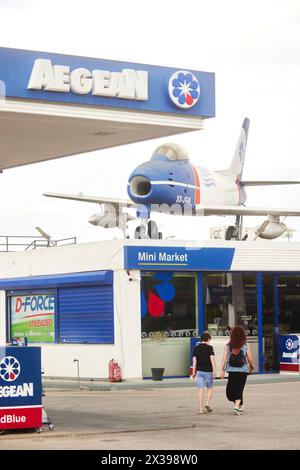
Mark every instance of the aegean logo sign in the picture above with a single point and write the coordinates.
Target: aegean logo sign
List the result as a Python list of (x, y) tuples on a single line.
[(184, 89), (292, 349), (9, 369), (128, 84)]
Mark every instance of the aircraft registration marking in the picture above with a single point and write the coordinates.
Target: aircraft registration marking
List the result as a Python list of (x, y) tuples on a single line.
[(183, 199)]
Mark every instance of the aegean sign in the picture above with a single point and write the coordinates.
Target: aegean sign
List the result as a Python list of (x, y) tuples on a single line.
[(128, 84)]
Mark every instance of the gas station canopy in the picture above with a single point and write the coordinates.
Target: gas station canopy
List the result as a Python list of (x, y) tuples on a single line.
[(53, 105)]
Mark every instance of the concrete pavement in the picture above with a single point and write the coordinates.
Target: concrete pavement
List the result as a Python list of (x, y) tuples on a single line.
[(166, 418), (105, 385)]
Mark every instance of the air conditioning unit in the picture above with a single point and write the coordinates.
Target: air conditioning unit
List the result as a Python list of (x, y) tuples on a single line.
[(217, 233), (228, 233)]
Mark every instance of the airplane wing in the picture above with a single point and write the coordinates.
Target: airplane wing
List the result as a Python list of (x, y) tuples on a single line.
[(267, 183), (120, 203), (200, 209), (242, 210)]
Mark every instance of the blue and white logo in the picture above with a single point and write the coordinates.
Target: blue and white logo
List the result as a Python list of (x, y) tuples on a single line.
[(9, 369), (241, 151), (184, 89), (289, 344), (208, 179)]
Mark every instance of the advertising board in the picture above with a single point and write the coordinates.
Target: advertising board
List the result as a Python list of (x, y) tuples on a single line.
[(20, 387), (32, 317)]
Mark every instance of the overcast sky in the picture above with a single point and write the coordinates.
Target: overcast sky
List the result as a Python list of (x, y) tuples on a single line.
[(253, 48)]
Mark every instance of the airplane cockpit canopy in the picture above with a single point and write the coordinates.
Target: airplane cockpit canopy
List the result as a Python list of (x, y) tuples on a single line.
[(171, 152)]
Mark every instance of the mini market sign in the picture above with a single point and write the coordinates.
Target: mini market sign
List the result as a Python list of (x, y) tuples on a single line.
[(179, 258)]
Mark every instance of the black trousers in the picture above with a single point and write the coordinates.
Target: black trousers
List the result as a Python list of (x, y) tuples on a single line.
[(235, 386)]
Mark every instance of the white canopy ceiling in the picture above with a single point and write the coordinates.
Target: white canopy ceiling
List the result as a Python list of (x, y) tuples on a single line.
[(33, 132)]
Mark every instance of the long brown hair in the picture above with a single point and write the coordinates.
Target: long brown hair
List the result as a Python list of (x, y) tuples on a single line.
[(237, 338)]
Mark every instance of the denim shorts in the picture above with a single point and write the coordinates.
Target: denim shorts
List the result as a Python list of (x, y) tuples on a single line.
[(204, 379)]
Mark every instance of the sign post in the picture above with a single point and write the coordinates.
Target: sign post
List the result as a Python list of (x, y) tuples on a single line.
[(20, 387)]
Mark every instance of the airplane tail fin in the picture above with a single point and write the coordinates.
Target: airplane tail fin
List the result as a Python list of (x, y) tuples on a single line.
[(237, 163)]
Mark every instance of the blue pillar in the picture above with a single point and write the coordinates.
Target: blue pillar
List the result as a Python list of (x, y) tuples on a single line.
[(276, 320), (200, 303), (260, 323)]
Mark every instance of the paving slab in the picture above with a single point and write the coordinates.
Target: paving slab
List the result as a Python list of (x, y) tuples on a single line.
[(166, 418), (104, 385)]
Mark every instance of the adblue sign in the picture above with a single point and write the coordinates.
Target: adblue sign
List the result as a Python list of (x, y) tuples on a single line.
[(20, 387)]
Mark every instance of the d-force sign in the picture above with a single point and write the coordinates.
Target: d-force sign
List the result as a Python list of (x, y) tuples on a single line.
[(20, 387), (128, 84), (32, 317)]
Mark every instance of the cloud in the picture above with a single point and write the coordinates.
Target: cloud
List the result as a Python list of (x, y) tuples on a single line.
[(17, 3)]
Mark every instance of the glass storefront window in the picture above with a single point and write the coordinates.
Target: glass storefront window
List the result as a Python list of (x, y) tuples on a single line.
[(230, 299), (289, 303), (270, 347), (217, 296), (169, 304)]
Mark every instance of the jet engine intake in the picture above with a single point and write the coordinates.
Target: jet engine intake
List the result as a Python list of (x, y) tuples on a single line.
[(271, 229), (140, 186), (107, 217)]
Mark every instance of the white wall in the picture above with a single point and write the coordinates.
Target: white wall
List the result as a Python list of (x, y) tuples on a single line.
[(62, 259), (57, 359), (127, 316), (108, 254)]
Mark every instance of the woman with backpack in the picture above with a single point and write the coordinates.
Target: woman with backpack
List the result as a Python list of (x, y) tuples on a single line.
[(238, 362)]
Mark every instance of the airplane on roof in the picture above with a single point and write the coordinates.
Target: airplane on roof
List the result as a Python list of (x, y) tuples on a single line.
[(169, 183)]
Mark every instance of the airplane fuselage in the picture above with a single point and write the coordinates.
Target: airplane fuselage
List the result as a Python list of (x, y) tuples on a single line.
[(165, 182), (169, 181)]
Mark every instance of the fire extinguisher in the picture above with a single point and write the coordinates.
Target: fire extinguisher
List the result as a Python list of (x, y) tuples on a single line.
[(117, 373), (114, 371), (111, 366)]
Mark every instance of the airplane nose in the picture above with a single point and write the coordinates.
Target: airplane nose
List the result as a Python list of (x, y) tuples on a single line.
[(140, 186)]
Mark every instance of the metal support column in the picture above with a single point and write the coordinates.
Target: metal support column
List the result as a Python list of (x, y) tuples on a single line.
[(260, 323), (200, 303), (276, 321)]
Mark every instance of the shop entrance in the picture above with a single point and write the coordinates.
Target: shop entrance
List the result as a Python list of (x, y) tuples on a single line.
[(169, 319), (269, 323), (230, 299)]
